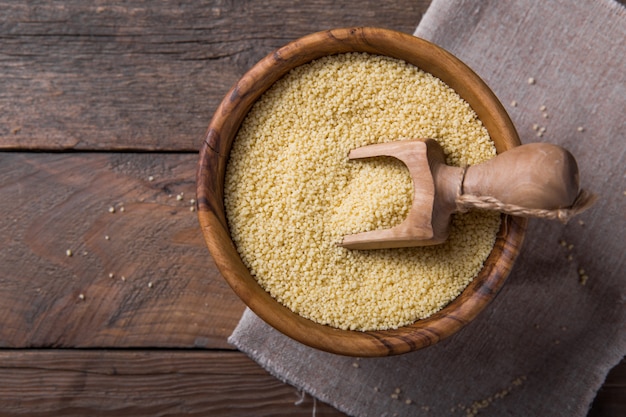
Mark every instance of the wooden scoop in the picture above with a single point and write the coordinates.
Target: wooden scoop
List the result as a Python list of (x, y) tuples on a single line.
[(533, 180)]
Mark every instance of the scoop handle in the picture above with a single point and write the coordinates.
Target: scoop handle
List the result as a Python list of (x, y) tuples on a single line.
[(538, 176)]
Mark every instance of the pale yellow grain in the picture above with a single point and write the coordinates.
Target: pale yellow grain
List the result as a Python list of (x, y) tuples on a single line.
[(291, 193)]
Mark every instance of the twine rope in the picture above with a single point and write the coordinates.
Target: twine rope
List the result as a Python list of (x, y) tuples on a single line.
[(465, 202)]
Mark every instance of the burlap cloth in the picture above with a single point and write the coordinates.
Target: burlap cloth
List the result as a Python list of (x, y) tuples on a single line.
[(547, 342)]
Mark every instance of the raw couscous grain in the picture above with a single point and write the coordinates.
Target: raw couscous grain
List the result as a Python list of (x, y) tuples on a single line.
[(291, 193)]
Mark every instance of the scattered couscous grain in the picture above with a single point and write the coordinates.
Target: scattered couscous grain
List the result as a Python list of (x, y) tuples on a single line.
[(111, 209), (513, 103), (475, 408), (541, 131), (291, 193), (583, 277), (580, 129), (531, 81), (81, 296), (542, 108), (150, 178), (68, 252), (122, 209), (111, 275)]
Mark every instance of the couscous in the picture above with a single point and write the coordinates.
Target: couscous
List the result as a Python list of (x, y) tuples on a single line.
[(291, 193)]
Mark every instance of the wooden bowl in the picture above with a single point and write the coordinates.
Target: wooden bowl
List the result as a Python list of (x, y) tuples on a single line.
[(210, 188)]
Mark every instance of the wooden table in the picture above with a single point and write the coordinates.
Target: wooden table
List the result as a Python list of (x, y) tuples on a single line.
[(110, 302)]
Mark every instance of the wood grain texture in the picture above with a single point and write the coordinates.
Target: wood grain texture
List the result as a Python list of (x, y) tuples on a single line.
[(143, 76), (147, 75), (72, 383), (171, 293)]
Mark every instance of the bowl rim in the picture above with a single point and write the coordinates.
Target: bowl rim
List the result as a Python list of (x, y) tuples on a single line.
[(211, 169)]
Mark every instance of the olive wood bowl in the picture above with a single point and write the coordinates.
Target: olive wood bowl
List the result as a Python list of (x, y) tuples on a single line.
[(210, 188)]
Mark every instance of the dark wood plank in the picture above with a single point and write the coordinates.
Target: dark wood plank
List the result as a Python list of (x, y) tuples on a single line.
[(611, 398), (147, 75), (171, 294), (72, 383)]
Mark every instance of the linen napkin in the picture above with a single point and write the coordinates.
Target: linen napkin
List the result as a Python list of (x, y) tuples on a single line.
[(544, 346)]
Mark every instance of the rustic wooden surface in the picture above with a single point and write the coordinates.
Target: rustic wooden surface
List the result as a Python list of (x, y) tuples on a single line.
[(105, 105)]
